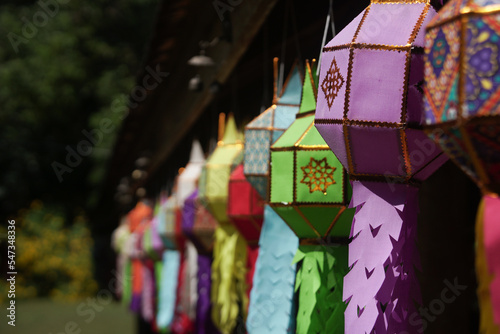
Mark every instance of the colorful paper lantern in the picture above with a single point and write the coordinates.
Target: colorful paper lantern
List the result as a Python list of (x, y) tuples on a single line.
[(189, 177), (370, 113), (265, 129), (187, 287), (228, 289), (462, 85), (245, 207), (217, 170), (309, 188), (169, 230), (119, 242), (138, 218), (198, 224), (246, 211), (311, 192)]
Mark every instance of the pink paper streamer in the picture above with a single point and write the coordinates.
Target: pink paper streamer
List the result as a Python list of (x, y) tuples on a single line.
[(381, 287), (492, 247)]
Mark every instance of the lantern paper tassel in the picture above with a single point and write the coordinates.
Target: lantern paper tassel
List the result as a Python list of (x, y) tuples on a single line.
[(271, 309), (228, 277), (484, 277), (319, 285), (381, 288), (204, 324), (492, 249), (370, 114), (168, 286), (228, 293), (462, 77)]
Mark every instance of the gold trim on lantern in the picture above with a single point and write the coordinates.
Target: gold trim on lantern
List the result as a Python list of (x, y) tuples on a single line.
[(327, 241), (466, 11), (305, 114)]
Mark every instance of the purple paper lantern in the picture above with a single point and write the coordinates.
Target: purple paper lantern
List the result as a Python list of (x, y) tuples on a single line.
[(370, 113), (370, 94)]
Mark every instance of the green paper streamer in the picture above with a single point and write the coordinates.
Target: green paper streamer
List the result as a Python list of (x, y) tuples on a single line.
[(228, 292), (127, 283), (319, 285)]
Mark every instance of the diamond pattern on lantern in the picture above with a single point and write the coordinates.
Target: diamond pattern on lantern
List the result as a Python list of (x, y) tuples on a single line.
[(332, 83), (256, 150), (483, 71), (438, 53), (462, 107), (318, 175)]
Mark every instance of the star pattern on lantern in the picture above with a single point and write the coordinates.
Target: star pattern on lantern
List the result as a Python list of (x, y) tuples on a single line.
[(332, 83), (318, 175)]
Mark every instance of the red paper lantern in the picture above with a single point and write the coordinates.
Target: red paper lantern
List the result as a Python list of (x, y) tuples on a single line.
[(245, 206)]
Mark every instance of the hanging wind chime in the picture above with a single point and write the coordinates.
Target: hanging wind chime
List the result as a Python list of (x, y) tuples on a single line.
[(370, 114), (462, 110)]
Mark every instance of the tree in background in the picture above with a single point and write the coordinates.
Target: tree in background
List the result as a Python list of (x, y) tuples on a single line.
[(52, 260), (63, 64)]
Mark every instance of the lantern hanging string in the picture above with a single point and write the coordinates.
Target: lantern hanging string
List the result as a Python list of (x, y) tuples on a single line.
[(329, 21), (296, 35), (281, 74)]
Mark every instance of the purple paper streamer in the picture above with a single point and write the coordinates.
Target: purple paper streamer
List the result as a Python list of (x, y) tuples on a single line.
[(382, 287), (188, 215), (204, 324), (135, 303)]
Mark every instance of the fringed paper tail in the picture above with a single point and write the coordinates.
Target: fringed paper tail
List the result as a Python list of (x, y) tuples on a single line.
[(204, 324), (168, 286), (381, 289), (228, 278), (319, 285), (488, 264), (272, 308), (252, 255)]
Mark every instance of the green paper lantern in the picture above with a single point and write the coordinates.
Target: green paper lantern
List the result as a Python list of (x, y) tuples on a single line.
[(217, 170), (309, 187), (310, 191)]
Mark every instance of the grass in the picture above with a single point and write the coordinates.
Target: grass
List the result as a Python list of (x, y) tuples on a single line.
[(43, 316)]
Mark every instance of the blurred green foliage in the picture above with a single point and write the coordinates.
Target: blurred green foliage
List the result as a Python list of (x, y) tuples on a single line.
[(53, 259), (62, 80)]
